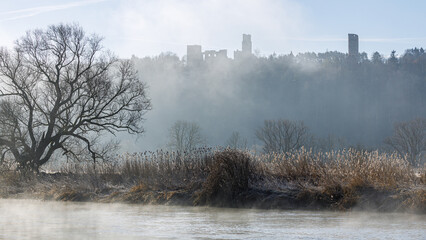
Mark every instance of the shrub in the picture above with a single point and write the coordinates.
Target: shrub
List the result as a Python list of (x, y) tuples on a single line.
[(229, 177)]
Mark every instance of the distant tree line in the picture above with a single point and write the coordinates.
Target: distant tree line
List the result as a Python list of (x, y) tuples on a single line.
[(286, 136), (337, 98)]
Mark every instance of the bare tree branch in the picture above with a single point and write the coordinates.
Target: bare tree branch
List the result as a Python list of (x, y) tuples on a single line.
[(282, 135), (59, 86), (185, 136), (409, 138)]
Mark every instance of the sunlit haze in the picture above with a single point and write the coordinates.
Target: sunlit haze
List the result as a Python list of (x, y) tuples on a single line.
[(148, 28), (212, 119)]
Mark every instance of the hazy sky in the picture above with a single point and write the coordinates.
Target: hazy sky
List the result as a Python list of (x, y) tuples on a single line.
[(149, 27)]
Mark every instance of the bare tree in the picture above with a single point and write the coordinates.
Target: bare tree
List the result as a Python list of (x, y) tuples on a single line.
[(60, 91), (327, 144), (283, 135), (185, 136), (409, 138), (235, 141)]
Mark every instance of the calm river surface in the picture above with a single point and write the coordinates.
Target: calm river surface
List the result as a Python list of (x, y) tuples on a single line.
[(31, 219)]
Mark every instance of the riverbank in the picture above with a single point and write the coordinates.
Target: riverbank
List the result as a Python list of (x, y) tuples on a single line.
[(348, 180)]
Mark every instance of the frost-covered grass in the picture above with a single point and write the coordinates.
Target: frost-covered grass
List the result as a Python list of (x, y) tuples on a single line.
[(339, 179)]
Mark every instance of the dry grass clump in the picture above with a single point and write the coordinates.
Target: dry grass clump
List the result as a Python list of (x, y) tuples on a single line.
[(163, 169), (382, 171), (229, 176), (347, 178), (159, 169), (298, 166), (414, 199), (346, 167), (73, 195)]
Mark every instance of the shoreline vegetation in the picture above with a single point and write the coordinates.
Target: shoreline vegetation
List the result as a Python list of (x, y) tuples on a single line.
[(340, 180)]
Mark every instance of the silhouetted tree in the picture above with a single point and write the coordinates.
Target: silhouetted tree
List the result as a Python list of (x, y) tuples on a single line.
[(235, 141), (282, 135), (327, 144), (60, 91), (377, 58), (185, 136), (393, 60), (409, 138)]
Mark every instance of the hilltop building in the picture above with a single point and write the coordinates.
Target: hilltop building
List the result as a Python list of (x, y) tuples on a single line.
[(246, 45), (353, 47), (210, 55), (246, 49), (193, 55)]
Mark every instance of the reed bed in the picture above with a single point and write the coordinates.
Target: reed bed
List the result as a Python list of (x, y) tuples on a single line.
[(173, 169), (346, 167), (157, 169), (225, 177)]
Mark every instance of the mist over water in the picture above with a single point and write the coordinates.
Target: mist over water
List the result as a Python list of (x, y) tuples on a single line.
[(30, 219), (62, 99)]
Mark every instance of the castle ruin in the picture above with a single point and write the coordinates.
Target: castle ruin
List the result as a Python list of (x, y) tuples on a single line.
[(195, 55), (246, 48)]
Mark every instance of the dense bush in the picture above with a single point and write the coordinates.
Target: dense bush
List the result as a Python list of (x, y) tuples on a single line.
[(229, 176)]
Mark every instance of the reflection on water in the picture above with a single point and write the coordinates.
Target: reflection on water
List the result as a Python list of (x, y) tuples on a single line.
[(30, 219)]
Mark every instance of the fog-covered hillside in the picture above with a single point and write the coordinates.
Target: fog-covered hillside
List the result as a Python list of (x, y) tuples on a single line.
[(355, 101)]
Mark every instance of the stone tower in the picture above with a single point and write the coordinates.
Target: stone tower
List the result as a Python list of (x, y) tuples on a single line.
[(193, 55), (353, 48), (246, 48)]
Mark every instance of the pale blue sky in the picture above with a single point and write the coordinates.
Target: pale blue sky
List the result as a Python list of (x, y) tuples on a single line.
[(149, 27)]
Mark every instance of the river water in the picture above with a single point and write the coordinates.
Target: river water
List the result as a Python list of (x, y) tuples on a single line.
[(32, 219)]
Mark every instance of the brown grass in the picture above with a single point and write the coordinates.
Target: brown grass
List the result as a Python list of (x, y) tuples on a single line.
[(341, 179), (348, 168), (229, 176)]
